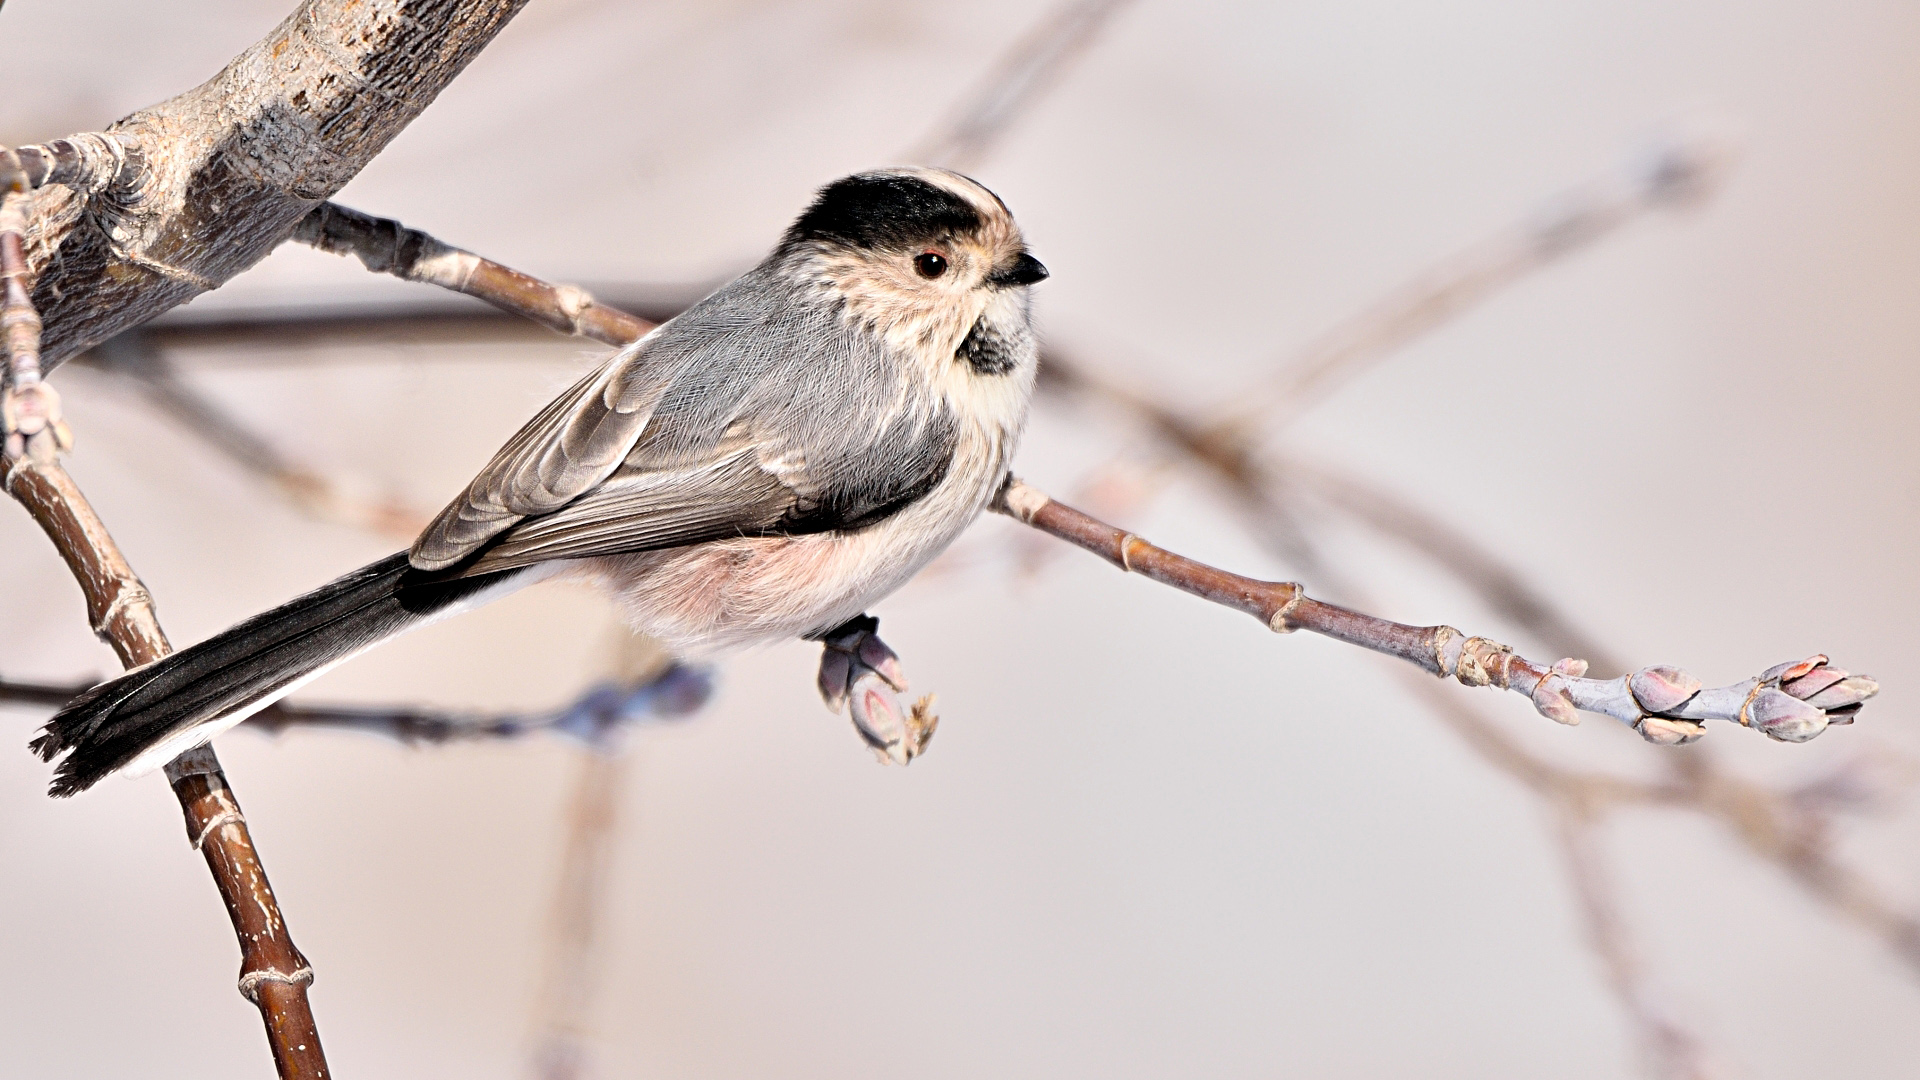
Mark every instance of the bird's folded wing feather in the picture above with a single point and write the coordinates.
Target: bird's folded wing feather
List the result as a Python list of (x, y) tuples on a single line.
[(749, 414), (573, 444), (650, 509)]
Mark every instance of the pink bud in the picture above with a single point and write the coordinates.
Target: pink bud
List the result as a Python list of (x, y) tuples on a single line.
[(1806, 686), (1848, 691), (1668, 731), (1661, 689), (1792, 670), (1785, 717), (1553, 701)]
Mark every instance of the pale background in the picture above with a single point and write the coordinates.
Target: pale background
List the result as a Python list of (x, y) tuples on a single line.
[(1150, 840)]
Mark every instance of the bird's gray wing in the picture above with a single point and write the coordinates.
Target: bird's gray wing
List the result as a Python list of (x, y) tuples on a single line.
[(572, 444), (752, 413)]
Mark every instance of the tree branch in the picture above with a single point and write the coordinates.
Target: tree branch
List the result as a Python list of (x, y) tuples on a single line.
[(273, 973), (385, 246), (1792, 702), (176, 199)]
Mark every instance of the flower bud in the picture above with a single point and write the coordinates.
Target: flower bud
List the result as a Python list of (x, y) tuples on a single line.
[(1661, 689), (1782, 716), (1668, 731)]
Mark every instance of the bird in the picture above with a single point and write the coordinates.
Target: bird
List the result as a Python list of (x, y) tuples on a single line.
[(766, 465)]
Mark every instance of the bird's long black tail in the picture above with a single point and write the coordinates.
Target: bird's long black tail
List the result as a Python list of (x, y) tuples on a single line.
[(242, 669)]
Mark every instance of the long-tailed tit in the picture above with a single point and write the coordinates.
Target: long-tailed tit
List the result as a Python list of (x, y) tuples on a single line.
[(766, 465)]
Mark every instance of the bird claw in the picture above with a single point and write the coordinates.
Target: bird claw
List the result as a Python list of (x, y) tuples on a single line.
[(31, 418), (859, 673)]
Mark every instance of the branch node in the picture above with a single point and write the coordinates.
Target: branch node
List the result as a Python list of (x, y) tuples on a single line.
[(1484, 662), (1019, 500), (250, 981), (224, 817), (129, 594), (1446, 654), (1278, 622), (573, 302)]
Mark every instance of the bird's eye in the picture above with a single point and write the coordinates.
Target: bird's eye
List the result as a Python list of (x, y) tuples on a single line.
[(931, 264)]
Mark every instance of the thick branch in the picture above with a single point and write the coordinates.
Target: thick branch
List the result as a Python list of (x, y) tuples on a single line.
[(178, 198), (1791, 702)]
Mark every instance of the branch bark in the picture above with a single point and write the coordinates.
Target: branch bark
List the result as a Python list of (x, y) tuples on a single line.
[(176, 199)]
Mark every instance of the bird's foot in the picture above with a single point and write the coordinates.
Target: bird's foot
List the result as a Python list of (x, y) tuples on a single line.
[(860, 673)]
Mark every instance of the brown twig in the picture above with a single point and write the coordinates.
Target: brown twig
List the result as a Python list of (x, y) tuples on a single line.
[(1504, 589), (385, 246), (273, 973), (1792, 702)]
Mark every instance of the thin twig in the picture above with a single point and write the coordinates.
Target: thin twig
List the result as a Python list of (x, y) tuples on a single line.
[(1035, 63), (570, 979), (1507, 592), (564, 1024), (132, 356), (1681, 173), (1792, 702), (385, 246), (1671, 1052), (273, 973), (672, 692)]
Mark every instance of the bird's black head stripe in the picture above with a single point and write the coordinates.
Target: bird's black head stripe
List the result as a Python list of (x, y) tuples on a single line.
[(884, 211)]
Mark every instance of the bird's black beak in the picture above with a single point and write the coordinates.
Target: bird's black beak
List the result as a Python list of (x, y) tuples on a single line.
[(1025, 271)]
